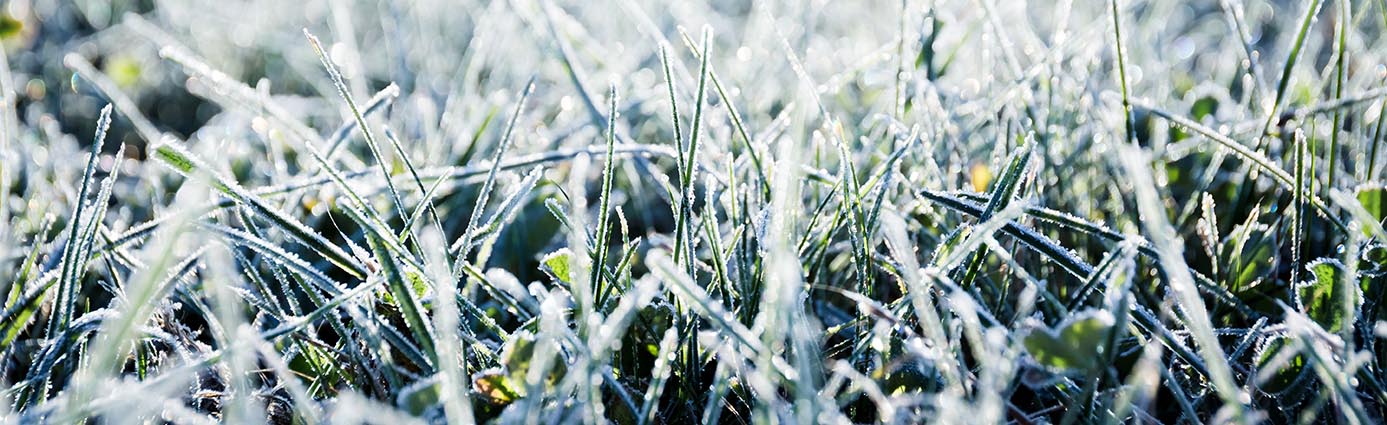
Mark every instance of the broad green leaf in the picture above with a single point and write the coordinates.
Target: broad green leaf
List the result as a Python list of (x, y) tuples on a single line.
[(559, 264), (1373, 259), (1322, 296), (419, 397), (1374, 200), (1074, 345), (496, 387), (1285, 380), (516, 354)]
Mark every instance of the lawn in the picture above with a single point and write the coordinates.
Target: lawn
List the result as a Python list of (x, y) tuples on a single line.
[(732, 211)]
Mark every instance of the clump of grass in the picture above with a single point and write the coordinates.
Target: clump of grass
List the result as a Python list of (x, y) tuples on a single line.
[(943, 211)]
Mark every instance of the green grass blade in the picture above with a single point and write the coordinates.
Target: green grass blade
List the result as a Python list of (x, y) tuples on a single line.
[(1002, 194), (1311, 9), (70, 280), (1265, 164), (178, 158), (364, 126), (599, 255), (484, 195)]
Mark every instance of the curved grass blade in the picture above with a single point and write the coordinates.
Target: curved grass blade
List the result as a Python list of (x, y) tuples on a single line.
[(1181, 281), (364, 126), (464, 242), (22, 309), (183, 161), (736, 117), (1283, 178), (278, 255), (383, 99)]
